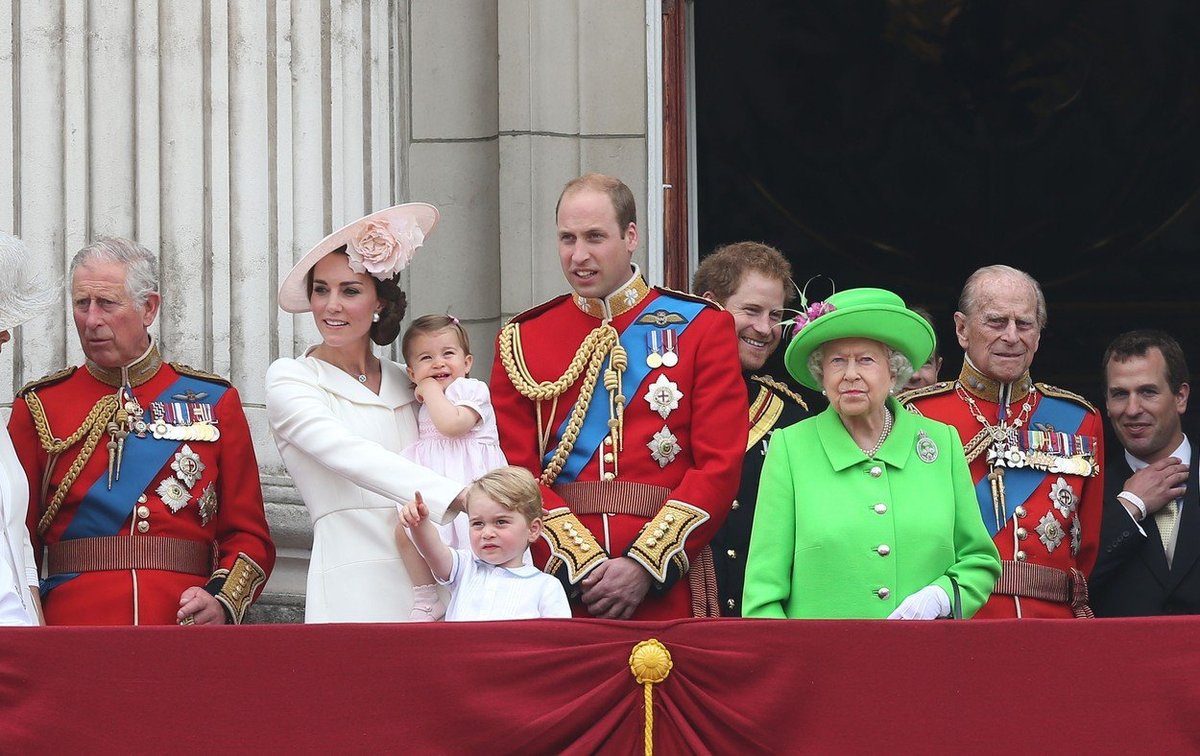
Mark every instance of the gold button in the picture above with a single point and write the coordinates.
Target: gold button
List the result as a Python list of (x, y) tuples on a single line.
[(731, 554), (880, 508), (884, 549), (567, 527), (735, 504), (1022, 533), (1019, 511), (731, 603), (586, 547), (608, 440), (608, 457), (670, 518), (609, 476), (883, 593), (578, 540), (143, 526), (143, 511), (876, 471), (1020, 556), (652, 541), (142, 499)]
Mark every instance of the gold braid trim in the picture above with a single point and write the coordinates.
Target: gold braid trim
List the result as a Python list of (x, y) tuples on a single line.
[(93, 427), (663, 538), (587, 361), (571, 544), (241, 583)]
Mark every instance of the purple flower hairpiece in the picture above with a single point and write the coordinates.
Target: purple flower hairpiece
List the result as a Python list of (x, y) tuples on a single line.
[(814, 311), (807, 312)]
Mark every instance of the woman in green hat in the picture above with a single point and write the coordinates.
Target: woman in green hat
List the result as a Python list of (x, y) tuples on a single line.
[(866, 510)]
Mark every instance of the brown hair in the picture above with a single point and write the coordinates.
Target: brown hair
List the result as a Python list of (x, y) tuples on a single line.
[(722, 270), (392, 301), (1138, 343), (513, 488), (619, 195), (428, 325)]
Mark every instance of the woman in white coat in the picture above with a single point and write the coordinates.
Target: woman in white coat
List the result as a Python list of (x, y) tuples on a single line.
[(21, 298), (340, 417)]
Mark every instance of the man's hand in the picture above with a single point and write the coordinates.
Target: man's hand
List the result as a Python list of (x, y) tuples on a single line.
[(1158, 483), (615, 589), (198, 607)]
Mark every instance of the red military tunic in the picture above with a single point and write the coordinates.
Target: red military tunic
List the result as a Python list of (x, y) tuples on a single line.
[(219, 508), (661, 495), (1057, 524)]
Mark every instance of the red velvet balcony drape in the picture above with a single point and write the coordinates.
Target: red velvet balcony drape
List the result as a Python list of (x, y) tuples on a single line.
[(564, 686)]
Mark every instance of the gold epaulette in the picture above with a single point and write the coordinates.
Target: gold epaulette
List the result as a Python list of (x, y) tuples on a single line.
[(241, 583), (688, 297), (906, 397), (537, 309), (780, 388), (1061, 393), (663, 538), (48, 380), (194, 373), (571, 544)]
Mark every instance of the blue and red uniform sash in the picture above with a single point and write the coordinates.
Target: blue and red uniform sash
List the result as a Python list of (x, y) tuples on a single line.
[(1021, 482), (102, 510), (595, 425)]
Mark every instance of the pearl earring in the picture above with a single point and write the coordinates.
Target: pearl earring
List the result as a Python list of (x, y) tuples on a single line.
[(824, 392), (375, 317)]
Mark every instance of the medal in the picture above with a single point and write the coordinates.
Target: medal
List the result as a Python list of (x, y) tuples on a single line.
[(187, 466), (670, 356), (654, 358), (663, 396), (927, 450), (173, 494), (208, 503), (664, 447)]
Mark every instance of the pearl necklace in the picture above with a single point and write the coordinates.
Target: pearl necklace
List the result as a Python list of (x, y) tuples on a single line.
[(887, 428)]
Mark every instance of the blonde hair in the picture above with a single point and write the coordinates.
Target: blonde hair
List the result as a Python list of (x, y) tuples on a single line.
[(513, 488)]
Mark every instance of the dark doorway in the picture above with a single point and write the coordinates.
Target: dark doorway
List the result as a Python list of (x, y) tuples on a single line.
[(903, 144)]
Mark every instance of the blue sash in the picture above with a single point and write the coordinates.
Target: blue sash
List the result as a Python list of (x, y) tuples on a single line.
[(1021, 482), (595, 424), (103, 511)]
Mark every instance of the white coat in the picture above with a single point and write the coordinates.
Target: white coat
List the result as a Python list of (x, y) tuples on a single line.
[(16, 550), (341, 444)]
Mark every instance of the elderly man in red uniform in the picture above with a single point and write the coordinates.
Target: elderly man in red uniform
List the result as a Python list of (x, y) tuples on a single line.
[(1033, 449), (628, 401), (145, 505)]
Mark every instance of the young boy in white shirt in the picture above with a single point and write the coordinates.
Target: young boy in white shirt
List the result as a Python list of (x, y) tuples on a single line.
[(491, 581)]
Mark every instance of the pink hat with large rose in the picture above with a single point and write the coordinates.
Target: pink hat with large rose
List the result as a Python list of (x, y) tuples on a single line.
[(381, 245)]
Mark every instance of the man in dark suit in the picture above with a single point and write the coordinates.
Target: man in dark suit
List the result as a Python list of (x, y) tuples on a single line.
[(1150, 537)]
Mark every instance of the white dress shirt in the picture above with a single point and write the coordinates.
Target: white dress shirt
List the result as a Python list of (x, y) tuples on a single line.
[(485, 592)]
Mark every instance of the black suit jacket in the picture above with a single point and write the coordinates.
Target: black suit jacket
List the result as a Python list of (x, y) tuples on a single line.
[(1131, 578)]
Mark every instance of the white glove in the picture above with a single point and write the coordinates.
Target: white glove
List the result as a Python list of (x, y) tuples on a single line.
[(928, 603)]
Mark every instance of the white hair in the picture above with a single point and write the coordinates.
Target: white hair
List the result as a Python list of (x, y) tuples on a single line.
[(899, 366), (968, 300), (141, 265), (24, 293)]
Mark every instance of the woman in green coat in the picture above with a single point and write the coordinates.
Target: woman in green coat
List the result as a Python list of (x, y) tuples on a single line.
[(865, 511)]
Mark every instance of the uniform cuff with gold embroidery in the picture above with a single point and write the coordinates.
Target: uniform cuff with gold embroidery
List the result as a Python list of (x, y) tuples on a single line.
[(661, 542), (571, 544), (234, 588)]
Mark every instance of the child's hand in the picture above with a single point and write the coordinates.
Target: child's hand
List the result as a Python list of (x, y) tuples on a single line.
[(413, 512), (426, 387)]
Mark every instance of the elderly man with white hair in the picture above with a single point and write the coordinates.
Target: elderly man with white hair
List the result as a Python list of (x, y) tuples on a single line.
[(145, 492), (1033, 449)]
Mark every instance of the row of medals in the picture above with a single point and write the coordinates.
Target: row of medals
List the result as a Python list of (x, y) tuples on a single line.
[(131, 418), (1006, 451)]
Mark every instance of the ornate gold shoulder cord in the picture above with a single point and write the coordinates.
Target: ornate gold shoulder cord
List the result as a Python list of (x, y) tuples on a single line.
[(588, 360)]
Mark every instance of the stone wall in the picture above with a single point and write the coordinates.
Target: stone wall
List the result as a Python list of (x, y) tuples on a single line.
[(231, 136)]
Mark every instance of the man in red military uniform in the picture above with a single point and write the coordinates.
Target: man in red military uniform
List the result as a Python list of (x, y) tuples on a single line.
[(1033, 449), (628, 401), (145, 505)]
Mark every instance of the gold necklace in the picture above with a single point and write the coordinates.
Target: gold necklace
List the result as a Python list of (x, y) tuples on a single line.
[(1000, 431)]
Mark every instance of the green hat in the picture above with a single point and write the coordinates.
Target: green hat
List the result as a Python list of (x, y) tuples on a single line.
[(858, 314)]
